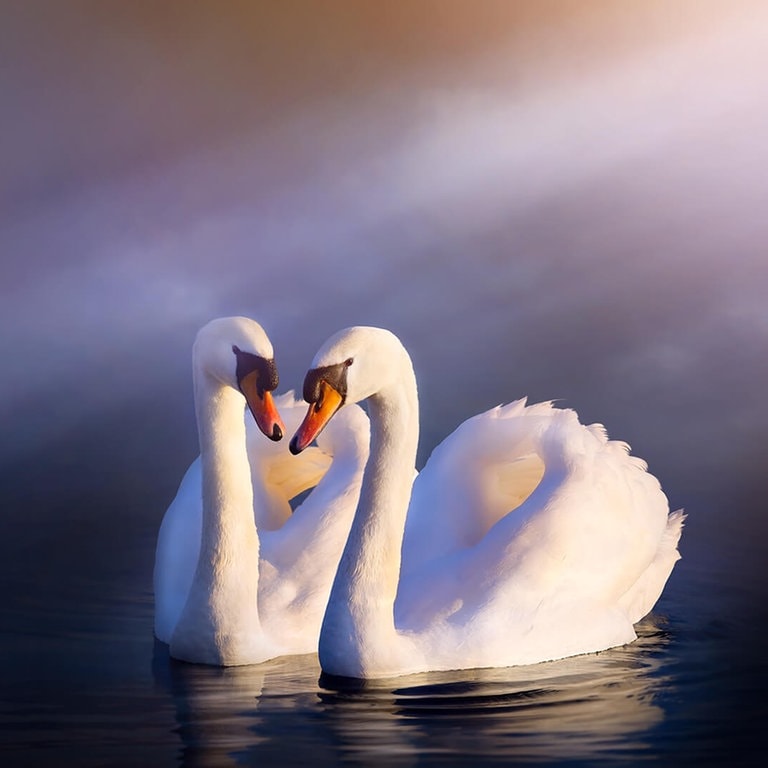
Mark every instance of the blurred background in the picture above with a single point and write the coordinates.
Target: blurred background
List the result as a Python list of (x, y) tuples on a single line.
[(560, 199)]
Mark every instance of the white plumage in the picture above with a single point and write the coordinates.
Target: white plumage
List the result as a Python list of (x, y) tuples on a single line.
[(238, 578), (527, 536)]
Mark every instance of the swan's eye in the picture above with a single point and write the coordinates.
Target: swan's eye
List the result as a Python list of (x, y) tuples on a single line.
[(349, 361)]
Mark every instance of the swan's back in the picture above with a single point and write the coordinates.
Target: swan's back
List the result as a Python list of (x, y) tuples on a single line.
[(335, 471), (299, 560), (484, 469), (578, 533)]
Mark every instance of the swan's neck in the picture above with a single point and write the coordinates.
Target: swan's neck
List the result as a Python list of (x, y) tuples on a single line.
[(358, 628), (220, 621), (227, 490)]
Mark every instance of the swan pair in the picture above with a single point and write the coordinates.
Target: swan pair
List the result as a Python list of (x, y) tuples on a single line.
[(526, 537)]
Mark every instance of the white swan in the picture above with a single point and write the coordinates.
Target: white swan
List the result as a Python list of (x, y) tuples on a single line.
[(238, 579), (531, 537)]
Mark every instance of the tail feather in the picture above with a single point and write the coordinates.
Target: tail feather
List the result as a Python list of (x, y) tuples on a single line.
[(642, 596)]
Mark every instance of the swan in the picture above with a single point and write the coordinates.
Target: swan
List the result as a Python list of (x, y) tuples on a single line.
[(527, 537), (238, 578)]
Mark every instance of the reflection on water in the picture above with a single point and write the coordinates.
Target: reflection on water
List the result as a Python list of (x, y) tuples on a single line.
[(580, 707), (215, 708), (220, 712), (97, 691), (585, 708)]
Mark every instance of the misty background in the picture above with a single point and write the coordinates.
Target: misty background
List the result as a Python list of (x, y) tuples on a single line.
[(563, 199)]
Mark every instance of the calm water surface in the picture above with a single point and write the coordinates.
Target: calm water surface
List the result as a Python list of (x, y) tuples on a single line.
[(87, 685)]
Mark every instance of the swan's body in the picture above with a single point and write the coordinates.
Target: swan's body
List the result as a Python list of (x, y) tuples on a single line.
[(238, 578), (530, 536)]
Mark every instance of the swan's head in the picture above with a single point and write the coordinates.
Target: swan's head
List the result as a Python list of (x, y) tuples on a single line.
[(352, 365), (237, 352)]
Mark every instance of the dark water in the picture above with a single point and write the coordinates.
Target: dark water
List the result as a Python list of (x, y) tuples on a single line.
[(556, 199), (105, 694), (85, 683)]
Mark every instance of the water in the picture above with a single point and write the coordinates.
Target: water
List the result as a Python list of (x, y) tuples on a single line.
[(86, 684), (113, 697), (562, 201), (118, 700)]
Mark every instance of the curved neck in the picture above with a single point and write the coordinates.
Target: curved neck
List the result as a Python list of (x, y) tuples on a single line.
[(358, 629), (220, 620), (227, 490)]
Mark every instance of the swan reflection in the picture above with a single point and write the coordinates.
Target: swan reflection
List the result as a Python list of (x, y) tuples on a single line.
[(585, 707), (581, 707), (225, 713)]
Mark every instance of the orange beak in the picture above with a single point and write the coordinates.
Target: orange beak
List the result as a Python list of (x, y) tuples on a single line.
[(262, 407), (318, 415)]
